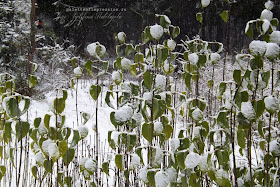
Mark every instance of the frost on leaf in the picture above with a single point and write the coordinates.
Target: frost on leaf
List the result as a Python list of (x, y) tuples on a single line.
[(275, 37), (247, 110), (135, 162), (192, 160), (197, 114), (271, 104), (83, 131), (193, 58), (171, 44), (115, 136), (257, 47), (205, 3), (125, 63), (272, 50), (124, 114), (161, 179), (174, 144), (160, 82), (266, 14), (78, 72), (275, 147), (269, 5), (158, 128), (156, 31)]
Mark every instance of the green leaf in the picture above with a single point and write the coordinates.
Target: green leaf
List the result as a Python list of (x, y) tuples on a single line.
[(128, 49), (48, 164), (159, 107), (241, 138), (68, 181), (162, 55), (11, 106), (132, 70), (175, 32), (184, 143), (147, 129), (22, 129), (86, 117), (243, 122), (47, 121), (88, 67), (277, 84), (76, 138), (107, 99), (249, 30), (260, 128), (32, 80), (241, 97), (131, 141), (26, 105), (59, 105), (8, 131), (201, 60), (63, 147), (223, 157), (274, 22), (164, 21), (148, 80), (210, 84), (259, 107), (188, 78), (237, 76), (256, 63), (34, 171), (222, 89), (94, 91), (119, 161), (105, 168), (68, 156), (224, 16), (180, 158), (139, 58), (199, 17), (37, 122), (222, 119), (151, 177), (265, 78), (167, 131)]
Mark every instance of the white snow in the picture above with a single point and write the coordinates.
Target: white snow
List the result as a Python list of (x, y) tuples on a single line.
[(203, 165), (247, 110), (124, 114), (157, 157), (192, 160), (215, 57), (83, 131), (121, 36), (125, 63), (156, 31), (161, 179), (269, 5), (272, 50), (135, 162), (196, 131), (172, 174), (174, 144), (115, 136), (93, 51), (45, 146), (193, 58), (271, 104), (221, 174), (53, 151), (205, 3), (257, 47), (171, 44), (167, 19), (40, 158), (158, 128), (42, 129), (82, 162), (275, 147), (197, 114), (116, 76), (266, 14), (265, 25), (275, 37), (143, 174), (90, 165), (160, 82), (78, 72)]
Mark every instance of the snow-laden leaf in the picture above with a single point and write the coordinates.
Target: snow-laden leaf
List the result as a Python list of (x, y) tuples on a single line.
[(78, 72), (259, 107), (121, 37), (161, 179), (156, 31), (271, 104), (247, 110), (192, 160), (134, 162)]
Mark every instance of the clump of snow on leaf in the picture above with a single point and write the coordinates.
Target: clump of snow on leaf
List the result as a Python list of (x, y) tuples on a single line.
[(115, 136), (161, 179), (193, 58), (275, 37), (160, 82), (125, 63), (197, 114), (83, 131), (78, 72), (143, 175), (203, 165), (205, 3), (221, 175), (269, 5), (121, 37), (257, 47), (215, 57), (157, 157), (272, 50), (53, 151), (271, 104), (158, 128), (174, 144), (45, 146), (192, 160), (82, 163), (266, 14), (124, 114), (275, 147), (40, 158), (172, 174), (90, 165), (171, 44), (247, 110), (265, 25), (117, 77), (96, 50), (135, 162), (156, 31)]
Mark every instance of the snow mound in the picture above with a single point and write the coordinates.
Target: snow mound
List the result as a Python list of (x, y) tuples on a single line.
[(193, 58), (192, 160), (203, 165), (40, 158), (156, 31), (143, 175), (161, 179), (265, 25), (121, 37), (78, 72), (83, 131), (266, 14), (96, 50), (157, 156), (247, 110), (45, 146), (221, 175), (53, 151), (124, 114), (172, 174), (257, 47), (171, 44), (125, 63), (215, 57), (272, 50), (275, 37)]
